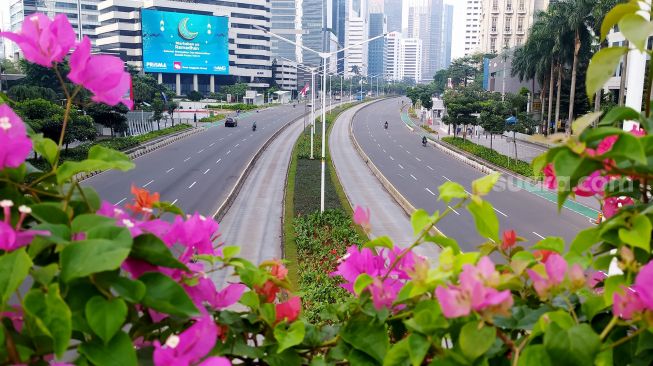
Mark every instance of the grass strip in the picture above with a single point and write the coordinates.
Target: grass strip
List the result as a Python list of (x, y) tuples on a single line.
[(491, 156)]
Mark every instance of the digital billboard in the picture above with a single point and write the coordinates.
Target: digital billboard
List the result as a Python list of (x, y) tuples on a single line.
[(184, 43)]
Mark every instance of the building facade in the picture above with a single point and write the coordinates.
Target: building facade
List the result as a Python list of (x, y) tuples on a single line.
[(356, 31), (249, 47), (378, 26), (473, 10), (394, 11), (392, 56), (426, 22), (82, 14), (410, 59), (285, 74), (505, 23), (285, 21), (447, 35)]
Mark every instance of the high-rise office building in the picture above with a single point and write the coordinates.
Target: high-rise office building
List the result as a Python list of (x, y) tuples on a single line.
[(410, 59), (447, 35), (394, 10), (505, 23), (378, 27), (392, 56), (316, 16), (249, 56), (285, 21), (82, 14), (339, 11), (473, 9), (426, 23), (357, 31)]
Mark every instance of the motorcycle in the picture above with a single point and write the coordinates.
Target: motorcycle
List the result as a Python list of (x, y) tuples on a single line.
[(424, 141), (386, 125), (254, 127)]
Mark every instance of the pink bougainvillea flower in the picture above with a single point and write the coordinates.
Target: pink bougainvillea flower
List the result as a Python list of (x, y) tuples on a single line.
[(289, 310), (44, 41), (509, 240), (12, 238), (627, 303), (577, 276), (269, 291), (14, 143), (453, 301), (592, 185), (362, 217), (406, 264), (15, 314), (357, 262), (103, 75), (542, 255), (215, 361), (595, 281), (637, 131), (228, 296), (644, 285), (556, 269), (611, 205), (189, 347), (604, 146), (550, 180), (278, 270), (196, 233)]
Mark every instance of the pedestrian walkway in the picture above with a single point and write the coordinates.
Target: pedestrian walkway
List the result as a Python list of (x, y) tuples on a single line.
[(364, 189)]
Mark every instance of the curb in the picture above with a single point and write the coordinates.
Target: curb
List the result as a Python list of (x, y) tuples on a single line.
[(231, 197), (139, 151), (398, 197)]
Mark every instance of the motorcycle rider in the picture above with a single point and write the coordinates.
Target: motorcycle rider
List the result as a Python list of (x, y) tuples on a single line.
[(386, 125), (254, 126), (424, 140)]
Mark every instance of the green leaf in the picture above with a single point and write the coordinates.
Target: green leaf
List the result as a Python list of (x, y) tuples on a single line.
[(475, 341), (99, 158), (610, 285), (636, 29), (85, 257), (398, 354), (151, 249), (627, 147), (593, 305), (367, 335), (51, 315), (250, 299), (45, 275), (418, 347), (85, 222), (118, 352), (420, 219), (618, 114), (45, 147), (553, 243), (289, 337), (167, 296), (131, 290), (487, 223), (105, 317), (639, 234), (584, 240), (362, 281), (450, 190), (483, 185), (576, 346), (14, 267), (538, 164), (580, 124), (380, 241), (534, 355), (614, 16), (601, 68), (49, 213), (428, 318), (230, 251), (444, 242)]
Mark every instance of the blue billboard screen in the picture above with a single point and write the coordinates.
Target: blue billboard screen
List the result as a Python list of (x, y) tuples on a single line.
[(185, 43)]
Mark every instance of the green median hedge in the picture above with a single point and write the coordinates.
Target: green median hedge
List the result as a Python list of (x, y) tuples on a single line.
[(491, 156)]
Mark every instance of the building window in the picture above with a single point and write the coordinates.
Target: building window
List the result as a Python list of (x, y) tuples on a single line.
[(493, 44), (508, 5), (508, 24), (520, 24), (494, 24), (506, 42), (521, 5), (495, 5), (520, 40)]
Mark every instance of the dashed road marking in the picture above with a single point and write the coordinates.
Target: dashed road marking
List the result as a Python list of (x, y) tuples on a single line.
[(237, 145), (211, 144), (221, 139), (188, 158), (217, 161), (430, 191), (169, 170), (121, 201), (148, 183), (401, 166), (454, 211), (207, 170), (504, 215), (428, 166), (191, 186), (446, 178), (199, 152), (228, 152), (418, 159), (413, 177), (175, 201), (540, 236), (391, 158)]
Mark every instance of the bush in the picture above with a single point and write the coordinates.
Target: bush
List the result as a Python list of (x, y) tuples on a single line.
[(213, 118), (194, 96), (233, 107), (491, 156)]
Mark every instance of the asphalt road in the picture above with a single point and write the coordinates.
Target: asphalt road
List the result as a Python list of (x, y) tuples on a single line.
[(197, 172), (417, 171)]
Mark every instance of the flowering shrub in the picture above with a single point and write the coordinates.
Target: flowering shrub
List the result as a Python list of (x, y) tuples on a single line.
[(87, 282)]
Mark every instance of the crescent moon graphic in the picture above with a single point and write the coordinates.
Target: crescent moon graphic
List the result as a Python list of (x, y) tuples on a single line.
[(183, 30)]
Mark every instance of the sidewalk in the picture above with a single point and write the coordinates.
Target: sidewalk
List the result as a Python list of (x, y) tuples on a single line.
[(364, 189)]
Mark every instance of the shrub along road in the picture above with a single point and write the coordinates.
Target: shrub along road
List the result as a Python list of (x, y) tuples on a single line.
[(417, 171), (198, 172)]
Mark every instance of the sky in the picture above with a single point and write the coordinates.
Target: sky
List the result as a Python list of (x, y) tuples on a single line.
[(457, 48)]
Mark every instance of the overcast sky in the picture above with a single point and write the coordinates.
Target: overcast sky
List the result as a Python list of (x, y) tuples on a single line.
[(457, 48)]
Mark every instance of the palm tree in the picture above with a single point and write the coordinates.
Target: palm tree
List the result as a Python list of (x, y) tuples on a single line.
[(601, 9)]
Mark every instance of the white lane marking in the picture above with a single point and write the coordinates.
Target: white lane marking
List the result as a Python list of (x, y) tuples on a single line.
[(207, 170), (401, 166), (217, 161), (237, 145), (121, 201), (384, 151), (418, 159), (221, 139), (188, 158), (391, 158), (199, 152), (446, 178), (169, 170), (504, 215), (175, 201), (413, 177), (401, 146), (191, 186), (430, 191), (379, 145), (228, 152), (244, 140), (408, 151), (454, 211), (211, 144), (428, 166), (541, 237), (148, 183)]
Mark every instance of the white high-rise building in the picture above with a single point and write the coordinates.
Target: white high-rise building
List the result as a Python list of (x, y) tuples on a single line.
[(473, 9), (505, 23), (82, 14), (392, 56), (356, 31), (426, 22), (410, 59)]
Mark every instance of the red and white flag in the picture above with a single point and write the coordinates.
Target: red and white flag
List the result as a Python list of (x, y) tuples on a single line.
[(305, 90)]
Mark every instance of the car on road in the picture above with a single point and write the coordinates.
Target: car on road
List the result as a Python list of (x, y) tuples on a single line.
[(231, 122)]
